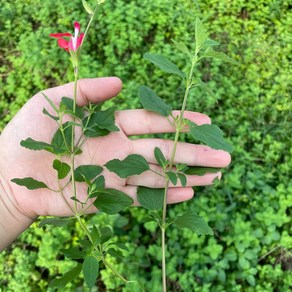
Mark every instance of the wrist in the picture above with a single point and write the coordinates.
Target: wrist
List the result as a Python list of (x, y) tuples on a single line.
[(12, 221)]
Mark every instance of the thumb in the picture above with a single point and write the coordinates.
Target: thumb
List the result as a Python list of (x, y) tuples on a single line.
[(92, 90)]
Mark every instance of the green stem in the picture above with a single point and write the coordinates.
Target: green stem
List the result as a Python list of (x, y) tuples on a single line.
[(108, 265), (179, 125)]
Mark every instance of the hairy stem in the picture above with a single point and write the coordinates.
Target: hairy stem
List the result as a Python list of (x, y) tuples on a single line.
[(178, 125)]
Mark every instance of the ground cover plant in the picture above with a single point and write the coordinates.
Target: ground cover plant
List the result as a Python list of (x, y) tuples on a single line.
[(249, 212)]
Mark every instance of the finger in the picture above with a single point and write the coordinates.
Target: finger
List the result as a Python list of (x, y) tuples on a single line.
[(153, 180), (174, 195), (139, 122), (92, 90), (186, 153)]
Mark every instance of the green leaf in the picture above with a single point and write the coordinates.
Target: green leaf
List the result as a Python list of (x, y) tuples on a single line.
[(62, 168), (211, 135), (182, 47), (62, 139), (210, 43), (105, 234), (68, 104), (160, 157), (132, 165), (102, 120), (182, 178), (115, 253), (193, 222), (210, 53), (31, 144), (30, 183), (111, 201), (61, 282), (201, 34), (74, 253), (50, 102), (152, 102), (196, 170), (87, 7), (172, 177), (151, 199), (164, 64), (55, 222), (87, 172), (95, 236), (90, 269), (45, 112), (206, 88)]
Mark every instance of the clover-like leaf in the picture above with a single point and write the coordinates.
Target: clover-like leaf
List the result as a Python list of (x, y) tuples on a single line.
[(192, 221), (132, 165), (211, 135), (30, 183), (90, 270), (164, 64), (62, 168), (151, 199), (152, 102)]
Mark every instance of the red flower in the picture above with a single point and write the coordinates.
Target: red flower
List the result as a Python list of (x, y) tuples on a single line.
[(73, 43)]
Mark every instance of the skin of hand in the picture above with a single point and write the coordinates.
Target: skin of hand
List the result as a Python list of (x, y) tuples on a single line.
[(20, 207)]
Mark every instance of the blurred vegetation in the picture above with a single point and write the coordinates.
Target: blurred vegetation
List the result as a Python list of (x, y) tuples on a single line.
[(250, 210)]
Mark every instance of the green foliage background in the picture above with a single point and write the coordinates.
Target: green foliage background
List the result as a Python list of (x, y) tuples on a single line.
[(250, 210)]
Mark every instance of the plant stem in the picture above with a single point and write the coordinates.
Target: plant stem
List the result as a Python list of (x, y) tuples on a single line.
[(178, 126), (108, 265)]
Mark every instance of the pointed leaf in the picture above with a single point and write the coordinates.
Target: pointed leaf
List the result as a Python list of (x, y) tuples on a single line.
[(68, 104), (210, 53), (164, 64), (211, 135), (55, 222), (61, 282), (160, 157), (90, 269), (182, 47), (73, 253), (106, 234), (210, 43), (172, 177), (201, 34), (45, 112), (206, 88), (95, 236), (201, 170), (87, 172), (62, 140), (151, 199), (31, 144), (62, 168), (111, 201), (152, 102), (193, 222), (104, 120), (87, 7), (132, 165), (182, 178), (30, 183)]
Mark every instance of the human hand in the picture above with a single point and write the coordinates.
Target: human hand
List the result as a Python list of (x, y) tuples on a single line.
[(19, 162)]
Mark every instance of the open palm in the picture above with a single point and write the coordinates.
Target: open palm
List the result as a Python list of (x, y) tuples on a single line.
[(18, 162)]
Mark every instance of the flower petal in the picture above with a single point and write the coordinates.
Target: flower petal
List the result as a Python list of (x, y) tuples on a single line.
[(63, 44), (60, 35)]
